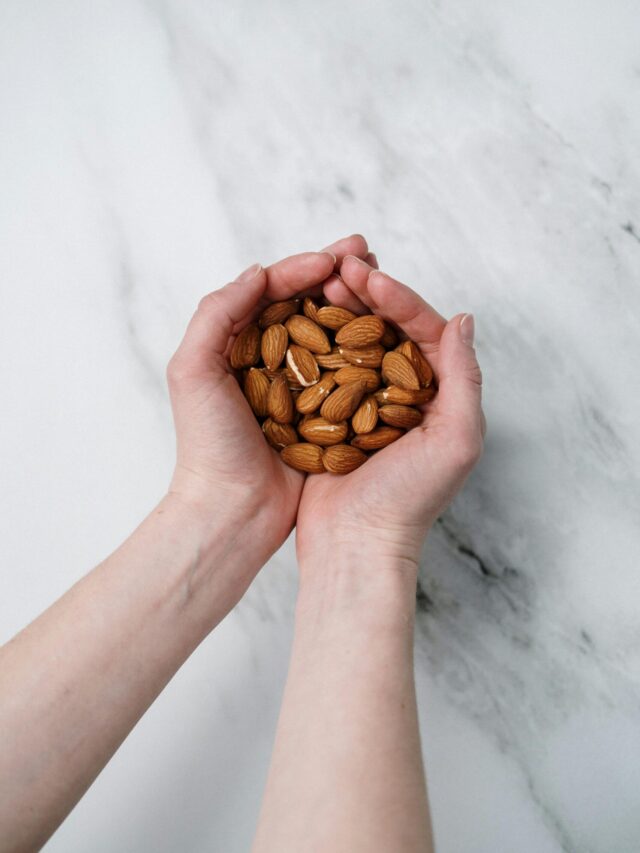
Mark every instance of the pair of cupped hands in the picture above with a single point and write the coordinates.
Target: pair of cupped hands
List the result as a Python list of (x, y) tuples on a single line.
[(382, 511)]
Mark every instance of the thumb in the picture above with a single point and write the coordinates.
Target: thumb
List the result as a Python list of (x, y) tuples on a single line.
[(210, 328), (460, 382)]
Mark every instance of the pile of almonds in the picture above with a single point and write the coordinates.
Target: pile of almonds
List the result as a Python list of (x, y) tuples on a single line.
[(329, 387)]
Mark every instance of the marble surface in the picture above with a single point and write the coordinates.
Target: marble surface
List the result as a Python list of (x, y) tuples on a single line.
[(148, 152)]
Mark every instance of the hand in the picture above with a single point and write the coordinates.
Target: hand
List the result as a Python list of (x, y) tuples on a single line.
[(225, 469), (385, 508)]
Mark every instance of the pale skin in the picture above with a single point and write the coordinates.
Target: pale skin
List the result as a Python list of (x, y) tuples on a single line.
[(346, 772)]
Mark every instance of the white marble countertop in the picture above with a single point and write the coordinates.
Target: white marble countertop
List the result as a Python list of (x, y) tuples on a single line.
[(489, 152)]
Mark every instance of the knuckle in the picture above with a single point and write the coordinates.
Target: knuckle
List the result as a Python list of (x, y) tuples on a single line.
[(209, 301), (468, 447)]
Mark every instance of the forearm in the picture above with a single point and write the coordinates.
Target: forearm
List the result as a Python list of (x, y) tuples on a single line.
[(347, 749), (75, 681)]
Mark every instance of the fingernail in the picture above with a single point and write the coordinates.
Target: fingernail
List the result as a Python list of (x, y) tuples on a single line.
[(358, 261), (331, 255), (467, 329), (373, 259), (249, 273)]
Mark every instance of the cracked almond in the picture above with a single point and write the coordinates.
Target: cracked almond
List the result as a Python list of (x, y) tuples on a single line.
[(302, 365)]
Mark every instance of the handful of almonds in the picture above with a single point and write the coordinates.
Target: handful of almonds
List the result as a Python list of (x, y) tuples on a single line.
[(330, 387)]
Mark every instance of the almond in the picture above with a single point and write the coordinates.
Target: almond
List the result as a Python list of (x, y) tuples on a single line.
[(302, 365), (342, 402), (310, 309), (279, 435), (405, 417), (246, 347), (292, 380), (277, 312), (365, 416), (363, 356), (334, 317), (311, 398), (279, 401), (405, 397), (411, 351), (323, 432), (332, 361), (390, 337), (342, 458), (307, 334), (256, 390), (370, 378), (380, 437), (398, 370), (274, 345), (303, 457), (361, 332)]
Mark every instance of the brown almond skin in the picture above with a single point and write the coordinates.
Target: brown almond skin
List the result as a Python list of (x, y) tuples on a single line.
[(279, 435), (274, 345), (279, 401), (342, 459), (312, 398), (390, 337), (379, 438), (405, 417), (278, 312), (310, 309), (323, 432), (334, 317), (361, 332), (393, 394), (308, 334), (256, 390), (365, 416), (332, 361), (245, 351), (302, 365), (370, 356), (342, 402), (423, 370), (369, 377), (303, 457), (398, 370)]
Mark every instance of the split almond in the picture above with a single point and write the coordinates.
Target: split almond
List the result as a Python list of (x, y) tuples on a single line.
[(343, 458), (303, 457), (245, 351), (361, 332), (405, 417), (307, 334), (398, 370), (274, 345), (323, 432), (302, 365), (342, 402), (379, 438)]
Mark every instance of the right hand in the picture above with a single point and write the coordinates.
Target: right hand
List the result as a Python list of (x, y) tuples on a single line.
[(385, 508)]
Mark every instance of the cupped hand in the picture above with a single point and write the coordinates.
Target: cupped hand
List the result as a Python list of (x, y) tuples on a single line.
[(224, 467), (384, 508)]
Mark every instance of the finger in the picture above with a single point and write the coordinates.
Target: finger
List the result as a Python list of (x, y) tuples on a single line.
[(298, 273), (338, 293), (460, 379), (210, 328), (372, 260), (397, 302), (354, 245), (355, 274)]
